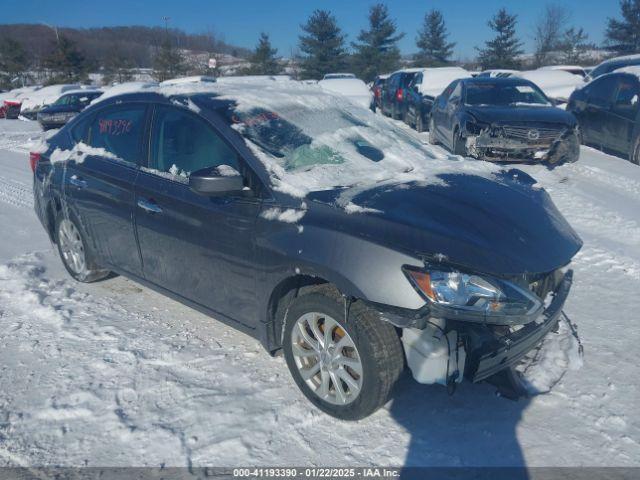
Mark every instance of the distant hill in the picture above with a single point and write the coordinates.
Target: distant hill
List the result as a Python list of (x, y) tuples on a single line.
[(136, 43)]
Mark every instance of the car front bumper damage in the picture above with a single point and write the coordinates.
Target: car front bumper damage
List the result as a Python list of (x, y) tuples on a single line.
[(445, 351), (487, 145)]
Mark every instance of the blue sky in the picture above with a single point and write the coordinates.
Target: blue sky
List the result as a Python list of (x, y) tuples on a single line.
[(240, 21)]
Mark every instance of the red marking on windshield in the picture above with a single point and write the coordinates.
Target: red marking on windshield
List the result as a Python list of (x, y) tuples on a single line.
[(115, 127)]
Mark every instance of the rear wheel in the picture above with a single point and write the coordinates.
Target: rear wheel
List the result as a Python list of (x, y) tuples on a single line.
[(346, 369), (432, 132), (74, 253), (419, 123)]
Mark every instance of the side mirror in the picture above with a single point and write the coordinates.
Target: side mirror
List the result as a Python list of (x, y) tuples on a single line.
[(219, 180)]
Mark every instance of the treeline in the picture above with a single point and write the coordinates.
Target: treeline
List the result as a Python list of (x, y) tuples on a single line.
[(324, 46), (70, 53)]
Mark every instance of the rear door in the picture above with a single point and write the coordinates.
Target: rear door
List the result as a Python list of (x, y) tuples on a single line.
[(594, 115), (620, 124), (201, 248), (99, 183)]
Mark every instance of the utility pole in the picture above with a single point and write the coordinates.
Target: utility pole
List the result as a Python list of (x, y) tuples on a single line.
[(166, 25)]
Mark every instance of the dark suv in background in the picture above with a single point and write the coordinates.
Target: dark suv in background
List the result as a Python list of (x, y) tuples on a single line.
[(394, 93), (608, 113)]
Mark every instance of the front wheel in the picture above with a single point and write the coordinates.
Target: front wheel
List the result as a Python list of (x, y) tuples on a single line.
[(74, 252), (345, 368), (459, 146)]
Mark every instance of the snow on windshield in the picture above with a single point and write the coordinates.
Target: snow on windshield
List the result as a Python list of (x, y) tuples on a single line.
[(311, 140)]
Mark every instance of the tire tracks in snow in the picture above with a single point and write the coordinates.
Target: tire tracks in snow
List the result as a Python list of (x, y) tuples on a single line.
[(16, 193)]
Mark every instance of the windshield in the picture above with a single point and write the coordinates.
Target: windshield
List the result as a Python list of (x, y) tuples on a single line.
[(308, 139), (478, 94)]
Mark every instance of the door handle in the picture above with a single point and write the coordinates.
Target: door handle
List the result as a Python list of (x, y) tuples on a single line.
[(149, 206), (77, 181)]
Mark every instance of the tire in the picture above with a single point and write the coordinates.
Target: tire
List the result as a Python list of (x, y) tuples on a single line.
[(74, 253), (394, 113), (432, 132), (459, 147), (634, 155), (370, 345), (419, 123)]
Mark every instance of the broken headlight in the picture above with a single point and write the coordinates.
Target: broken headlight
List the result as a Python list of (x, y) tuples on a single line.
[(472, 297)]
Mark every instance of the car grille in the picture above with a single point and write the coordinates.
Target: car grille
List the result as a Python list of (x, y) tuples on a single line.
[(532, 134)]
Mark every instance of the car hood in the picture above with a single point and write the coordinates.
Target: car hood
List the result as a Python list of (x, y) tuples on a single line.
[(502, 225), (506, 115)]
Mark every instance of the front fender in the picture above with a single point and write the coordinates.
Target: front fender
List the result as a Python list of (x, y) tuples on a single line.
[(357, 266)]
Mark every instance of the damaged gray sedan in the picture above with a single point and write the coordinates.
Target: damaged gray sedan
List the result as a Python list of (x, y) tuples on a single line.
[(503, 119)]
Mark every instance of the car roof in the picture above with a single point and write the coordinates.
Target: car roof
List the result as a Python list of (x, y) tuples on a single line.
[(495, 80)]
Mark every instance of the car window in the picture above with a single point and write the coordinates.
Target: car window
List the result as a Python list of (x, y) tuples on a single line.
[(514, 94), (626, 99), (456, 92), (600, 91), (118, 130), (80, 130), (184, 143)]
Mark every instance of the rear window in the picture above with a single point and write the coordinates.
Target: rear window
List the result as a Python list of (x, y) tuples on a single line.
[(118, 131)]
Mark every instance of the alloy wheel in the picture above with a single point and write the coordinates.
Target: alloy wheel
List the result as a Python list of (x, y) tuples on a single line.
[(71, 246), (327, 358)]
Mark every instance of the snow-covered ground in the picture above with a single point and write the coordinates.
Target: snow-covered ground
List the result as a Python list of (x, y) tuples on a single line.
[(114, 374)]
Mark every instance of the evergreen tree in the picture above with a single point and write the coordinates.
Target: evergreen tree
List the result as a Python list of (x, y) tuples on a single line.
[(503, 50), (168, 62), (322, 45), (13, 62), (376, 51), (117, 67), (435, 50), (573, 45), (624, 35), (66, 62), (263, 60)]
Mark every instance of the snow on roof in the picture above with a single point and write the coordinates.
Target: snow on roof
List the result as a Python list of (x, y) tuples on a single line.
[(635, 56), (556, 84), (353, 88), (125, 87), (337, 131), (435, 80), (632, 69), (44, 96)]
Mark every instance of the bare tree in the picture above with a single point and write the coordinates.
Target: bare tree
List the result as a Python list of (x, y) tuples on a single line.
[(549, 31)]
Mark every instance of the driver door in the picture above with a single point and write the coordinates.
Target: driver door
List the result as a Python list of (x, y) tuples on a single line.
[(199, 247)]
